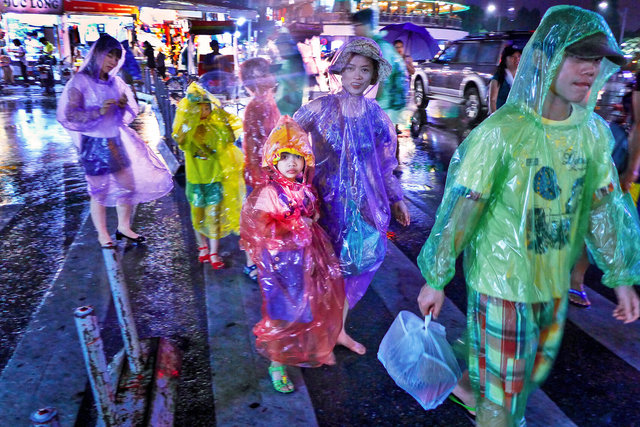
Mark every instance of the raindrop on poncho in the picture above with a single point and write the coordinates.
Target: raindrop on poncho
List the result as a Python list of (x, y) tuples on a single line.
[(299, 274), (120, 168), (213, 164), (354, 144), (524, 193)]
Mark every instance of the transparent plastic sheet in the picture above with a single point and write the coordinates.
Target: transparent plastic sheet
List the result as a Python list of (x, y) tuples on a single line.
[(214, 165), (416, 354), (298, 272), (354, 144), (524, 194), (291, 75), (260, 116), (120, 168)]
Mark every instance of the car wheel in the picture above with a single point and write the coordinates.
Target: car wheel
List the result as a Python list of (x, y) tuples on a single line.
[(418, 119), (472, 105), (419, 96)]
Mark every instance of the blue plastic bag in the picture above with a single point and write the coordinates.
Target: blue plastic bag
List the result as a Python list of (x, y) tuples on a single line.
[(418, 357)]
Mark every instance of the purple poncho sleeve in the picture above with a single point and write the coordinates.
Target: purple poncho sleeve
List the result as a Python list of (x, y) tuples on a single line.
[(386, 146), (82, 99)]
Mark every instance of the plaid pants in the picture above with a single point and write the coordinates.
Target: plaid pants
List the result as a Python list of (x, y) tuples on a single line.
[(512, 347)]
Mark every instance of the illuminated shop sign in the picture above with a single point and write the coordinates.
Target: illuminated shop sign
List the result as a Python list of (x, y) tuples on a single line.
[(32, 6)]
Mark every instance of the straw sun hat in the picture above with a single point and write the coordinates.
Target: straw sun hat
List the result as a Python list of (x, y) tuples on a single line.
[(365, 47)]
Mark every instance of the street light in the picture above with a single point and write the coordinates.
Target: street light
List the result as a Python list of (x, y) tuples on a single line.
[(492, 9), (603, 5)]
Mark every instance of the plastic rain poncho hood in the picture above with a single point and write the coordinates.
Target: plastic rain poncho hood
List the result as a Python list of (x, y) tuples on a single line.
[(120, 168), (523, 193), (299, 275), (354, 144)]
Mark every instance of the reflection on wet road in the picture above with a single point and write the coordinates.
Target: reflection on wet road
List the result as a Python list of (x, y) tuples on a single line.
[(42, 200)]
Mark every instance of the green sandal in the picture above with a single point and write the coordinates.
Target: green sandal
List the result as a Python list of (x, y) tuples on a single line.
[(283, 385), (470, 409)]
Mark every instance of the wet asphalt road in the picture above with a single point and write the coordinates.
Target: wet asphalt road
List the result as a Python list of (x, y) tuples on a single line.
[(42, 192)]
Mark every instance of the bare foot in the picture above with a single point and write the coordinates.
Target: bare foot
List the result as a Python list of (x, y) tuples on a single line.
[(578, 296), (353, 345), (464, 393), (331, 360)]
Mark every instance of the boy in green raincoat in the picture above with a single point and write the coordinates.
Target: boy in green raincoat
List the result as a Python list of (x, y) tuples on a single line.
[(524, 191)]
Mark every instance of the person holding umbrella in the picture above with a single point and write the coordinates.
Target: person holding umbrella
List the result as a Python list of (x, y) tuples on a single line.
[(408, 60)]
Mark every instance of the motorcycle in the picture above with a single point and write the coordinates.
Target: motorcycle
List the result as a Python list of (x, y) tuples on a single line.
[(45, 73)]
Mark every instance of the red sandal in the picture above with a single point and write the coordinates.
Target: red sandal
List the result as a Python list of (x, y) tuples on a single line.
[(203, 259), (216, 265)]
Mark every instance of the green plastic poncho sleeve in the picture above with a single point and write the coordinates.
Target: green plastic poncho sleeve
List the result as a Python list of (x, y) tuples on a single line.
[(613, 238), (457, 218)]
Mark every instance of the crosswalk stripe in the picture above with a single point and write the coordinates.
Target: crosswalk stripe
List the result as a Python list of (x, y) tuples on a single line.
[(597, 321)]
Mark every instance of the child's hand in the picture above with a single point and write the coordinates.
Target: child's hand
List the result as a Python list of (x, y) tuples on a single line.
[(430, 301), (628, 308), (401, 213)]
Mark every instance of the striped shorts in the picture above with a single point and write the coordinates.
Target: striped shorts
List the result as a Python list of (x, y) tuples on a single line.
[(512, 347)]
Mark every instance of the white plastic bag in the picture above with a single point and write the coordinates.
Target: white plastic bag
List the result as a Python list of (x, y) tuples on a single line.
[(419, 359)]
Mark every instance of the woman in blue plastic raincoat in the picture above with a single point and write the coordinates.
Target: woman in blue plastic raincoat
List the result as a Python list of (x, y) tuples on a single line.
[(524, 191)]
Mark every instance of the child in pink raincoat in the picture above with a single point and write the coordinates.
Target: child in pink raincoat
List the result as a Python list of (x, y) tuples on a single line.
[(299, 274)]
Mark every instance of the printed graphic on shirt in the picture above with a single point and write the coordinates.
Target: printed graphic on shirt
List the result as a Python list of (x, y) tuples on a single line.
[(550, 220)]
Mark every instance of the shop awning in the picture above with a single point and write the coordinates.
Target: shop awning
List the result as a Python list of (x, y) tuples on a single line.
[(236, 8)]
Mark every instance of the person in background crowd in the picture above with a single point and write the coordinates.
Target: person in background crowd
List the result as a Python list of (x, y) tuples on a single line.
[(260, 117), (160, 63), (629, 174), (47, 47), (393, 93), (20, 55), (209, 62), (290, 74), (501, 82), (632, 172), (408, 60), (150, 55), (5, 61)]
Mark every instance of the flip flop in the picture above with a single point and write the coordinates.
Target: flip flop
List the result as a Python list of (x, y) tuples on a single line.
[(582, 295), (470, 409), (248, 270)]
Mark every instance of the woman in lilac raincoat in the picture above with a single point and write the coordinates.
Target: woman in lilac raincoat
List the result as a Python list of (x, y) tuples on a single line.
[(95, 107), (354, 144)]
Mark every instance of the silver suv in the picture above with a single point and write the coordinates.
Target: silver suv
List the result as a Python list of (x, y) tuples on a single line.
[(461, 72)]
